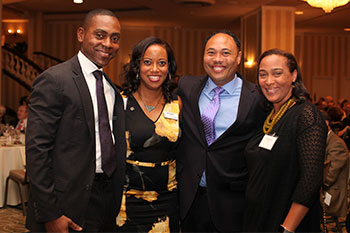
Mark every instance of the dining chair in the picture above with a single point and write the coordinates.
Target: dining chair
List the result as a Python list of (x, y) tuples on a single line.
[(19, 176)]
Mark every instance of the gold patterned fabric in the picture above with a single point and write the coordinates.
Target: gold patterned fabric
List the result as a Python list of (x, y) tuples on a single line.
[(150, 195)]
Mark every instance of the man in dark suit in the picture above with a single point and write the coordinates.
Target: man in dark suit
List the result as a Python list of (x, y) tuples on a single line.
[(76, 182), (212, 173)]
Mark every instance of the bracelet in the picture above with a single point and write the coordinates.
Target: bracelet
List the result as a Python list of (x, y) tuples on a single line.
[(285, 230)]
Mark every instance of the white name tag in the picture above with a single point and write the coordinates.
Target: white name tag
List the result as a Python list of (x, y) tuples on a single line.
[(171, 115), (327, 199), (268, 141)]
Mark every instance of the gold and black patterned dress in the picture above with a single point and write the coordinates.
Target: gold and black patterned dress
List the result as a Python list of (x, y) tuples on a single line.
[(150, 196)]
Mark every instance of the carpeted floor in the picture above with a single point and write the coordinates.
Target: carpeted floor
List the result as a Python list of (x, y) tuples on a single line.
[(12, 220)]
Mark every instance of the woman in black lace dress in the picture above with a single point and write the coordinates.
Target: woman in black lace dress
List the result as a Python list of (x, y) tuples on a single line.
[(285, 160), (150, 193)]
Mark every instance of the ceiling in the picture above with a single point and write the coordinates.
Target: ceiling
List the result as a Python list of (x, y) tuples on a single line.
[(222, 14)]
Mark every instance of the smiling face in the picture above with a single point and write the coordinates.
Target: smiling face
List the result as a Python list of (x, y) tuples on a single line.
[(276, 80), (100, 39), (221, 58), (154, 67)]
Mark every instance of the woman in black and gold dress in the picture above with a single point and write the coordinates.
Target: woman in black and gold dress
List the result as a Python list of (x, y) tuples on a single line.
[(152, 110), (285, 159)]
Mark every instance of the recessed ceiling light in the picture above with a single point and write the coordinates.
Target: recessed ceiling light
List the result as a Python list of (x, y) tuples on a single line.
[(299, 12), (347, 29), (78, 1)]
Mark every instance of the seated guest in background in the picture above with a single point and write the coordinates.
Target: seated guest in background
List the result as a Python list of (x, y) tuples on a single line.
[(24, 100), (285, 159), (152, 124), (343, 103), (346, 123), (2, 114), (346, 108), (334, 198), (22, 114), (336, 123), (6, 118), (329, 102)]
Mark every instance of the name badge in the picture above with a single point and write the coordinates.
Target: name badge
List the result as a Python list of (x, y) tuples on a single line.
[(171, 115), (268, 141), (327, 199)]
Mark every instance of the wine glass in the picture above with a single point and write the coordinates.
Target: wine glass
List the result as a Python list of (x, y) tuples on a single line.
[(17, 135), (9, 133), (6, 131)]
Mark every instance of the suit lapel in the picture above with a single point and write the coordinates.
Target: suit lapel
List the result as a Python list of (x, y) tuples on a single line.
[(85, 96), (245, 102), (194, 98)]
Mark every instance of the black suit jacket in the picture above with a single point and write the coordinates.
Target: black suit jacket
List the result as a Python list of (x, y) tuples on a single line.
[(60, 145), (223, 160)]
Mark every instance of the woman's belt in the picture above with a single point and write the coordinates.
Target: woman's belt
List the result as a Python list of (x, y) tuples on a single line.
[(147, 164)]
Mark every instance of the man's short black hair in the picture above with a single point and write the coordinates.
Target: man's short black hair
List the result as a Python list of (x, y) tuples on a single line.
[(227, 32), (96, 12)]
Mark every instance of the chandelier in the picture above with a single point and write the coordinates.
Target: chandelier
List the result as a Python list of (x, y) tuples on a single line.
[(327, 5)]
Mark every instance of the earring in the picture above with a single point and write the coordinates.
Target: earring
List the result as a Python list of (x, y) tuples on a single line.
[(169, 77), (293, 84), (137, 76)]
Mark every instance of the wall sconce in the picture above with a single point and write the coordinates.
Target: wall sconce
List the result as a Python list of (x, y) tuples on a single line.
[(14, 32), (78, 1), (249, 63)]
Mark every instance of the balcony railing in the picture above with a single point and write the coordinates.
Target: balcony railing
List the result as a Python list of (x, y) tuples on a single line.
[(19, 67), (45, 60)]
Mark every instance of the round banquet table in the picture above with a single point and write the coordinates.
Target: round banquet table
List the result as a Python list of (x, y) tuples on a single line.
[(11, 157)]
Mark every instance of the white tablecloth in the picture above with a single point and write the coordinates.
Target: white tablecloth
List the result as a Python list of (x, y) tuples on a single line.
[(11, 157)]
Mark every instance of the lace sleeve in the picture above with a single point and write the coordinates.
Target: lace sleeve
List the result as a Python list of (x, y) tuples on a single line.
[(311, 145)]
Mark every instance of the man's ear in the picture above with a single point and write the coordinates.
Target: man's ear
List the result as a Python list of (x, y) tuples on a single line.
[(80, 34), (239, 57)]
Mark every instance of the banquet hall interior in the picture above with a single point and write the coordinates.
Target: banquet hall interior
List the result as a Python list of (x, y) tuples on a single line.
[(36, 34)]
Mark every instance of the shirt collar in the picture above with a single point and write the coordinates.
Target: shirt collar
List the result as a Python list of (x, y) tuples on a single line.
[(86, 64), (229, 87)]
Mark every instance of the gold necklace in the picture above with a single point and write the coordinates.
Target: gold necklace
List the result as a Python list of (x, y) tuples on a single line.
[(149, 108), (269, 124)]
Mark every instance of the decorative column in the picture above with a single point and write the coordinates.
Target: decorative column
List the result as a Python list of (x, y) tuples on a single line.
[(265, 28), (35, 32)]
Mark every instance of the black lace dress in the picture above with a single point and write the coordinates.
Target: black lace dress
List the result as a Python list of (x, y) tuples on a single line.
[(291, 172), (150, 196)]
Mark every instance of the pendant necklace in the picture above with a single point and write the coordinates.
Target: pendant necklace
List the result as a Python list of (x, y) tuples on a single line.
[(149, 108)]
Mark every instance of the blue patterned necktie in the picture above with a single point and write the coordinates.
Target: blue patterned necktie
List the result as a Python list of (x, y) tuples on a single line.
[(209, 114), (208, 120), (107, 149)]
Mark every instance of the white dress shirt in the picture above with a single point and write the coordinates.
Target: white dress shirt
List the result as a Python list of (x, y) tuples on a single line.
[(88, 67)]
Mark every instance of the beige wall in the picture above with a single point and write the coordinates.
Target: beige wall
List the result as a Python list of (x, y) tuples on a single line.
[(11, 92), (325, 63)]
